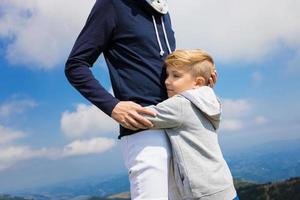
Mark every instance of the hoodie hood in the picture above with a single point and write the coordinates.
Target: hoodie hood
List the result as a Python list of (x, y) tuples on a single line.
[(160, 6), (207, 102)]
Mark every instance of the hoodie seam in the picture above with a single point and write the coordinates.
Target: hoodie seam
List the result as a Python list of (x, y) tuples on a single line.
[(180, 113)]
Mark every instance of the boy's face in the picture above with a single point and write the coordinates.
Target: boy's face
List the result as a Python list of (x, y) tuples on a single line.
[(179, 80)]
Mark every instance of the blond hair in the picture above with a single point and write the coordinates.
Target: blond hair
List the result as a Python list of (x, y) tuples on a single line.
[(197, 61)]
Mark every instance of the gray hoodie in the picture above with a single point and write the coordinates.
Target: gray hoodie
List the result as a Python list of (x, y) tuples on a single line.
[(190, 120)]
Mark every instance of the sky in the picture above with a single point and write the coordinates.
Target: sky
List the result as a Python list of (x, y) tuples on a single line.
[(50, 133)]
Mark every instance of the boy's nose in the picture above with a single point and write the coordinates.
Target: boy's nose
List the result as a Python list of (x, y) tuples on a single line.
[(167, 81)]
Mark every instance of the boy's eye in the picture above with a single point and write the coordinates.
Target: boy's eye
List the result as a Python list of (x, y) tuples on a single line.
[(177, 75)]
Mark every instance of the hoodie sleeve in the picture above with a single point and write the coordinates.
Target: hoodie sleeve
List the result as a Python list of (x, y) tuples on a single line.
[(94, 38), (169, 113)]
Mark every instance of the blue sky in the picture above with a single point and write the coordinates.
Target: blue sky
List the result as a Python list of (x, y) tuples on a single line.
[(49, 133)]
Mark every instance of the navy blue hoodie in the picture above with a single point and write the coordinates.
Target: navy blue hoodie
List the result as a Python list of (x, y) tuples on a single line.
[(124, 31)]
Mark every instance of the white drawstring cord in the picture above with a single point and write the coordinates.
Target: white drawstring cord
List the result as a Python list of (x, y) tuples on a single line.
[(157, 36), (165, 34)]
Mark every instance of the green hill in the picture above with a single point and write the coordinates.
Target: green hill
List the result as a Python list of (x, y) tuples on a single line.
[(286, 190), (120, 196), (8, 197), (240, 183)]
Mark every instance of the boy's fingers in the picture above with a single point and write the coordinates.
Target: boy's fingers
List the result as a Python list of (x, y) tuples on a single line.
[(211, 82), (213, 79), (216, 76)]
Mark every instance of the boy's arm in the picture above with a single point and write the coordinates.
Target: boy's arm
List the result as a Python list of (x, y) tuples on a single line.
[(168, 113)]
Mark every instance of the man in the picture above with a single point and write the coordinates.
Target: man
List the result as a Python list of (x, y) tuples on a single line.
[(135, 36)]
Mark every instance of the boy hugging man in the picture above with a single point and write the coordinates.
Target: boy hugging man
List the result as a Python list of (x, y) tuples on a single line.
[(191, 117)]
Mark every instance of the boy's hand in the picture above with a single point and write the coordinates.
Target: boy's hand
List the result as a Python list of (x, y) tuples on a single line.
[(213, 79), (128, 114)]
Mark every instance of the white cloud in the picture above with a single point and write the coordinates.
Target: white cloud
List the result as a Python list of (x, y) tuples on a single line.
[(8, 135), (240, 114), (41, 35), (83, 147), (260, 120), (232, 29), (231, 124), (236, 108), (235, 114), (11, 155), (86, 121), (16, 106)]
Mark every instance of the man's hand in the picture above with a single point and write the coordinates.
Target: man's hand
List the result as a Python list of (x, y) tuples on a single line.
[(127, 113), (213, 79)]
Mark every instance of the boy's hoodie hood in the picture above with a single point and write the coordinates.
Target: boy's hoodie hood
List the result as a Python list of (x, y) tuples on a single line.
[(207, 102)]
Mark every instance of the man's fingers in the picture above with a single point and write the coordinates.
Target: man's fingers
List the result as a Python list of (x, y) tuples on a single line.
[(127, 114), (143, 122), (129, 126), (146, 111), (131, 119)]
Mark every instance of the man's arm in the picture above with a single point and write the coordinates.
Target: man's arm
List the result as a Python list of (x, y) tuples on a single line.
[(91, 42), (94, 38)]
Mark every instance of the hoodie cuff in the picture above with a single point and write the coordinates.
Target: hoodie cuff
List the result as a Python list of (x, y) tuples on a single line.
[(108, 107)]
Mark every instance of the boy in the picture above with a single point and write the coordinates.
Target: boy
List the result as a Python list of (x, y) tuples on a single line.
[(190, 118)]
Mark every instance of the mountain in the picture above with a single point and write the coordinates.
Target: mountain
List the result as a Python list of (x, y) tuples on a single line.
[(8, 197), (120, 196), (274, 161), (80, 189), (124, 195), (247, 190), (286, 190)]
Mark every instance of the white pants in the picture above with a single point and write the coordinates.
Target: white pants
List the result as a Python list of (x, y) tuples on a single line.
[(147, 157)]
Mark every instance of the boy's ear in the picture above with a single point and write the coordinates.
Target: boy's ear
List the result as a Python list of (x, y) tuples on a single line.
[(199, 81)]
